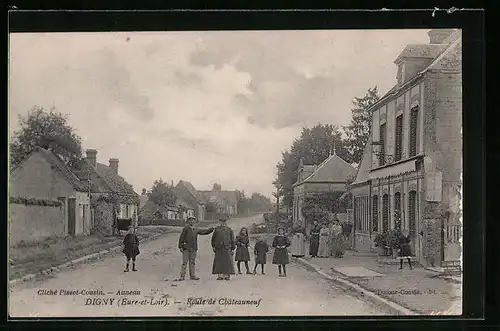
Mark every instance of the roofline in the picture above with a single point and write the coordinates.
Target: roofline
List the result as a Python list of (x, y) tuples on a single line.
[(417, 76), (37, 149)]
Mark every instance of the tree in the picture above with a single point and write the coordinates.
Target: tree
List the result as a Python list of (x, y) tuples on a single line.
[(162, 194), (313, 147), (358, 130), (47, 129)]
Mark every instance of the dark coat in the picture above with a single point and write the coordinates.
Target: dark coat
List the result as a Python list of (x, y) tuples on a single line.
[(223, 245), (131, 245), (314, 240), (189, 237), (404, 247), (260, 250), (280, 244), (242, 253)]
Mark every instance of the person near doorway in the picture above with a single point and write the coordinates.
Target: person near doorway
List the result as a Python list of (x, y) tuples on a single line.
[(223, 245), (404, 250), (188, 245), (242, 253), (314, 240), (280, 256), (323, 241), (131, 247)]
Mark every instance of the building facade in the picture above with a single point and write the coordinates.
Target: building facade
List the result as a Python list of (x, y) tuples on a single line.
[(187, 193), (330, 176), (224, 202), (412, 161), (63, 207)]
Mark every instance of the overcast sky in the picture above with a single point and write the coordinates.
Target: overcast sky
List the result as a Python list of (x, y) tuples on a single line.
[(200, 106)]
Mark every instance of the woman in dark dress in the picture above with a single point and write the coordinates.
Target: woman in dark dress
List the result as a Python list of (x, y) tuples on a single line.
[(404, 249), (242, 254), (314, 240), (131, 247), (280, 257)]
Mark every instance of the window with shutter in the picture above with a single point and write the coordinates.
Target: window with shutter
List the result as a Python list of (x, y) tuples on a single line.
[(375, 213), (413, 131), (412, 208), (385, 213), (399, 138), (397, 205), (382, 144)]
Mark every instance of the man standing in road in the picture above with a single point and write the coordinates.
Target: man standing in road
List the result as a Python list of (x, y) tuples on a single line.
[(188, 245), (223, 245)]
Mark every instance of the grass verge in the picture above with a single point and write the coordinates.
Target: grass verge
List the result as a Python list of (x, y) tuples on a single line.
[(32, 258)]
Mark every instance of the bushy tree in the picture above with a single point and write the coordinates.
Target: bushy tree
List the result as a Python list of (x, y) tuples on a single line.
[(358, 130), (162, 194), (47, 129), (313, 146)]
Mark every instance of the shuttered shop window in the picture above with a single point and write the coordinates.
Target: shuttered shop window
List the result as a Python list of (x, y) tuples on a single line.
[(382, 145), (385, 213), (399, 138), (412, 211), (375, 213), (413, 131)]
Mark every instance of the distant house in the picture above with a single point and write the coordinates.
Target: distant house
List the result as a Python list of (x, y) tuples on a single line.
[(187, 193), (143, 198), (331, 175), (153, 214), (46, 199), (112, 197), (224, 202)]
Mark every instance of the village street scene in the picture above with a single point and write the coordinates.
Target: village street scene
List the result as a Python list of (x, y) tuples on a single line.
[(204, 174)]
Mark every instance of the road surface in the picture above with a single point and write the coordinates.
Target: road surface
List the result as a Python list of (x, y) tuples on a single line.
[(91, 290)]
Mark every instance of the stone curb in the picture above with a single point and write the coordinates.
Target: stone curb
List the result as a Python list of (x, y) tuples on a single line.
[(78, 261), (389, 305)]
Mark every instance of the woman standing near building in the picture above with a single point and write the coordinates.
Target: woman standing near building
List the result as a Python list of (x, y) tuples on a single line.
[(298, 242), (336, 239), (323, 241), (314, 240)]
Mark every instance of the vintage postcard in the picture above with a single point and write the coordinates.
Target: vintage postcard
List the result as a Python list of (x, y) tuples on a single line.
[(235, 173)]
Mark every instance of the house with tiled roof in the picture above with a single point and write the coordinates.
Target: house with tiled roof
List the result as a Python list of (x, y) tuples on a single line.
[(46, 199), (112, 197), (409, 177), (331, 175), (154, 214), (223, 202), (185, 191)]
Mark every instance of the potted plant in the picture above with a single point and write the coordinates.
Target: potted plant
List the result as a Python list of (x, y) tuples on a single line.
[(380, 241)]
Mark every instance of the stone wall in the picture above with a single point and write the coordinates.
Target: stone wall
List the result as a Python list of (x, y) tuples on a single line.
[(34, 223)]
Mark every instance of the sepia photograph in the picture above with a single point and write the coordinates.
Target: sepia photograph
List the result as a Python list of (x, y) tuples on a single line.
[(235, 173)]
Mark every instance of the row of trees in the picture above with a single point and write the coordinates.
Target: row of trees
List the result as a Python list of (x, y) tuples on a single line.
[(314, 145), (255, 203)]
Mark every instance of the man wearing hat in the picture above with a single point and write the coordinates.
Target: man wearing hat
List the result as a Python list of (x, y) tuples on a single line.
[(188, 245), (223, 245)]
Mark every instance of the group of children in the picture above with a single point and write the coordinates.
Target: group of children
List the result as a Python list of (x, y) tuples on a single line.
[(280, 256)]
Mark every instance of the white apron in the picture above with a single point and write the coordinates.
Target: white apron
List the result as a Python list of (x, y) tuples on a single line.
[(298, 245)]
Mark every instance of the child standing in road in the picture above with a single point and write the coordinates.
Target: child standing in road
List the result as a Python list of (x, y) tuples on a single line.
[(280, 257), (260, 250), (131, 247)]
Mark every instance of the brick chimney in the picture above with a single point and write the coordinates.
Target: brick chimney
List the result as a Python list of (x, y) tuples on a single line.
[(437, 36), (113, 164), (92, 156)]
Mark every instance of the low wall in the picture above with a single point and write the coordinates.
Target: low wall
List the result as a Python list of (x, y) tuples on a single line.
[(33, 222), (177, 222)]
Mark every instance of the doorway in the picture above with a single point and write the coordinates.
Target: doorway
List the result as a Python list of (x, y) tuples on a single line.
[(412, 218), (72, 216)]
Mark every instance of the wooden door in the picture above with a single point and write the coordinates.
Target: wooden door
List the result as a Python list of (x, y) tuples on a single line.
[(71, 216), (412, 219)]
